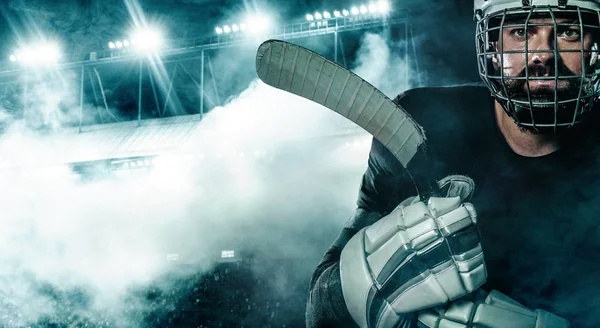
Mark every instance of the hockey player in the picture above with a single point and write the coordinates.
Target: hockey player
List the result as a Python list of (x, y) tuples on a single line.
[(521, 249)]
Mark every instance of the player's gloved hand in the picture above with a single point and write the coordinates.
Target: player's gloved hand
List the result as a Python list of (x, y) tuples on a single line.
[(418, 256), (495, 310)]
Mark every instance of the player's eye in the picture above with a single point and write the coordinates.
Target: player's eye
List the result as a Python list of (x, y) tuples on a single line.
[(519, 33), (570, 34)]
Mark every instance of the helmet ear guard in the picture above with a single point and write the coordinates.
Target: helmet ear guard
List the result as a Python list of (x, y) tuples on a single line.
[(594, 59)]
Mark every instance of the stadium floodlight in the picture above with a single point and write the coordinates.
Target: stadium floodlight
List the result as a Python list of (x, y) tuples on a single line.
[(310, 17), (363, 9), (383, 6), (50, 53), (27, 56), (318, 16), (354, 11), (119, 44), (111, 45), (13, 58), (372, 8), (125, 43), (326, 15), (219, 30), (345, 12), (147, 40), (337, 14), (258, 24), (235, 28), (226, 29), (41, 54), (242, 26)]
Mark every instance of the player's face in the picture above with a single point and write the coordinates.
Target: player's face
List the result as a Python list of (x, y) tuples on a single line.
[(541, 60)]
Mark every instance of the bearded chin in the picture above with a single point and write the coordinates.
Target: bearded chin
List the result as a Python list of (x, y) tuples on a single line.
[(539, 107)]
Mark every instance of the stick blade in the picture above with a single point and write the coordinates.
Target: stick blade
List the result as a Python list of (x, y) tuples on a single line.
[(300, 71)]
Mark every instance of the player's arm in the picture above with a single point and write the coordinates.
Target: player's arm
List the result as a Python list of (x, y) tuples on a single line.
[(383, 187), (325, 304), (415, 257)]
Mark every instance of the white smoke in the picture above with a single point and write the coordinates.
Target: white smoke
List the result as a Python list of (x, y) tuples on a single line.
[(377, 63), (264, 172)]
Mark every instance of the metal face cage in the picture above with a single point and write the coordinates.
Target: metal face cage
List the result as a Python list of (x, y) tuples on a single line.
[(560, 107)]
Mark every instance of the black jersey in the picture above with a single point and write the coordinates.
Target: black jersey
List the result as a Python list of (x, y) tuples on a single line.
[(539, 217)]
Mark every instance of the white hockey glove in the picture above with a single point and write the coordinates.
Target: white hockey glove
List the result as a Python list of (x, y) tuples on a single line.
[(495, 310), (417, 257)]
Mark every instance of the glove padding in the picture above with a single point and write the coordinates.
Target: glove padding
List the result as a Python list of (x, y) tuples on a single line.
[(419, 256), (495, 310)]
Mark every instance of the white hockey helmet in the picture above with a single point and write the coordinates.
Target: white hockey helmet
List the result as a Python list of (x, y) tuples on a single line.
[(488, 7), (566, 110)]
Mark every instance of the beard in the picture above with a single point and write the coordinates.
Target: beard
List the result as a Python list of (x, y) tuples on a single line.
[(542, 109)]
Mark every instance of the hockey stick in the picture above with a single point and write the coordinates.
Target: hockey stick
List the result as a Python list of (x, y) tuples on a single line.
[(295, 69)]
